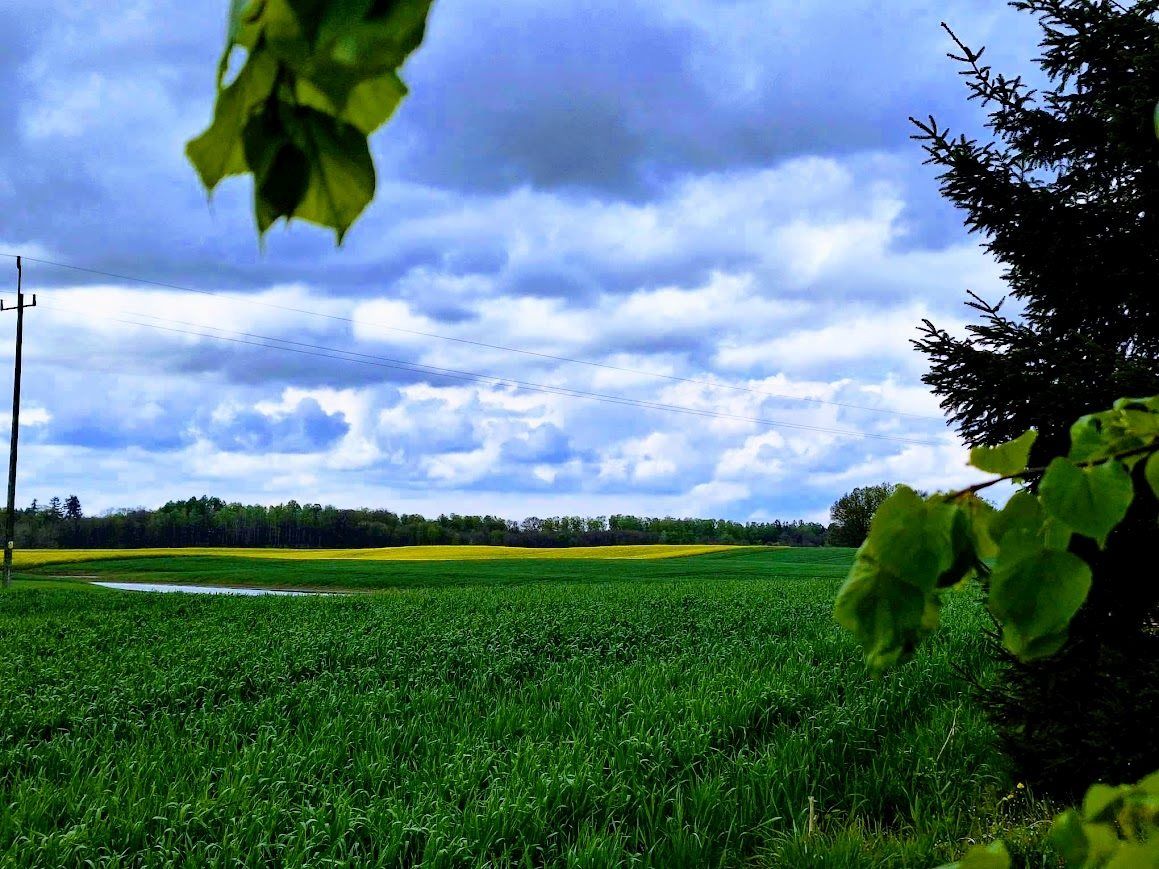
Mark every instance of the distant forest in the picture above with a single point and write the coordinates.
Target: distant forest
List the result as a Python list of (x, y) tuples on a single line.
[(208, 521)]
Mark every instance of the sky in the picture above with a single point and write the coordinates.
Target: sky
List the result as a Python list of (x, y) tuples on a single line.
[(712, 205)]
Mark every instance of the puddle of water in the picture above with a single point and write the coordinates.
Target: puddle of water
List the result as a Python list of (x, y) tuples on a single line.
[(200, 589)]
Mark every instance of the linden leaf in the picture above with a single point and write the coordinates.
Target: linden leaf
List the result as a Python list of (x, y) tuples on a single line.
[(342, 179), (1102, 801), (890, 599), (1004, 459), (1091, 500), (1087, 440), (327, 72), (992, 856), (1034, 593), (281, 169), (1069, 838), (1151, 472), (219, 151), (368, 106)]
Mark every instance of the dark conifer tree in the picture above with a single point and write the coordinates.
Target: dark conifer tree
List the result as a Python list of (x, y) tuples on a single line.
[(72, 508), (1065, 194)]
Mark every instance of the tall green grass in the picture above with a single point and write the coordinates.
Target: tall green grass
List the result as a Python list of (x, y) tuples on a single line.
[(652, 719)]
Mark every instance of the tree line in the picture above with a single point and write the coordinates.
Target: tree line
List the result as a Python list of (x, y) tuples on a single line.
[(208, 521)]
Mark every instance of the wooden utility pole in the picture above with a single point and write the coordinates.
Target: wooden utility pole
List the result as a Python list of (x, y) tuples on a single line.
[(10, 523)]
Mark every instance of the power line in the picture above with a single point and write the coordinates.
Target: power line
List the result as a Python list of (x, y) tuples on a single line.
[(467, 341), (338, 354)]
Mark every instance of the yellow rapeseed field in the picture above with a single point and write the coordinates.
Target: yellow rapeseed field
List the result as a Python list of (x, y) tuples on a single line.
[(38, 557)]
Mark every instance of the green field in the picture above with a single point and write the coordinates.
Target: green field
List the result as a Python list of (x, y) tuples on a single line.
[(513, 712)]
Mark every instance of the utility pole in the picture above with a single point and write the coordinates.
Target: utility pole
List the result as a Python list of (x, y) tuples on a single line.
[(10, 524)]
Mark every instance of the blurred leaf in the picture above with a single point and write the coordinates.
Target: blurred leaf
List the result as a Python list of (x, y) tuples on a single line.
[(1151, 471), (319, 77), (1091, 500), (219, 151), (1034, 593), (890, 599), (341, 181), (992, 856), (1004, 459)]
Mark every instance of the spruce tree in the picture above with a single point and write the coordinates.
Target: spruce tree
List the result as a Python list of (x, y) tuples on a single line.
[(1064, 192), (72, 508)]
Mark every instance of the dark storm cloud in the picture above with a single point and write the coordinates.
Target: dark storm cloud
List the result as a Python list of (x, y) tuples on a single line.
[(614, 98), (621, 96)]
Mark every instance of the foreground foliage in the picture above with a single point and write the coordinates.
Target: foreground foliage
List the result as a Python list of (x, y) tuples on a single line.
[(1062, 188), (683, 721), (319, 77), (1026, 556)]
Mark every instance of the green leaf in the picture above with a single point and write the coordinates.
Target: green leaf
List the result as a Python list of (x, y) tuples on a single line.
[(887, 614), (1004, 459), (1135, 855), (1034, 593), (889, 601), (329, 70), (1087, 440), (1102, 801), (1151, 472), (1023, 517), (281, 170), (219, 151), (1069, 838), (1091, 500), (368, 106), (341, 172), (1150, 784), (992, 856)]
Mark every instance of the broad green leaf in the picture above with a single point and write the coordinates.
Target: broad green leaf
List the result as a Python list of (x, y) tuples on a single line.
[(912, 537), (1024, 518), (1069, 838), (1021, 515), (1149, 404), (1055, 535), (1091, 500), (281, 170), (1135, 855), (1087, 440), (1150, 784), (218, 151), (369, 105), (889, 600), (1080, 843), (887, 614), (1034, 593), (333, 66), (1151, 471), (1131, 424), (1101, 801), (1004, 459), (341, 171), (980, 515), (992, 856)]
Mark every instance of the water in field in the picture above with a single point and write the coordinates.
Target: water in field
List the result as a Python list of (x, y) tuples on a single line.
[(197, 589)]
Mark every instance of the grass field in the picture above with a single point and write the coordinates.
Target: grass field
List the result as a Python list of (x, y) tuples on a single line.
[(669, 712)]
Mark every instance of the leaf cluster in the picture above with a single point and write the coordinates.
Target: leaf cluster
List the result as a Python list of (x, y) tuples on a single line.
[(920, 547), (319, 77)]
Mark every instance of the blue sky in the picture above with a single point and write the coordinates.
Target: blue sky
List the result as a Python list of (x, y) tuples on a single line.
[(715, 190)]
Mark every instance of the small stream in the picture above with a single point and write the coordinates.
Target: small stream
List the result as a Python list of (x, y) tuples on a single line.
[(200, 589)]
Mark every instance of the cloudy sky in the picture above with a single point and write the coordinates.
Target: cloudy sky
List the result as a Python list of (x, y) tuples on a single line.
[(714, 201)]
